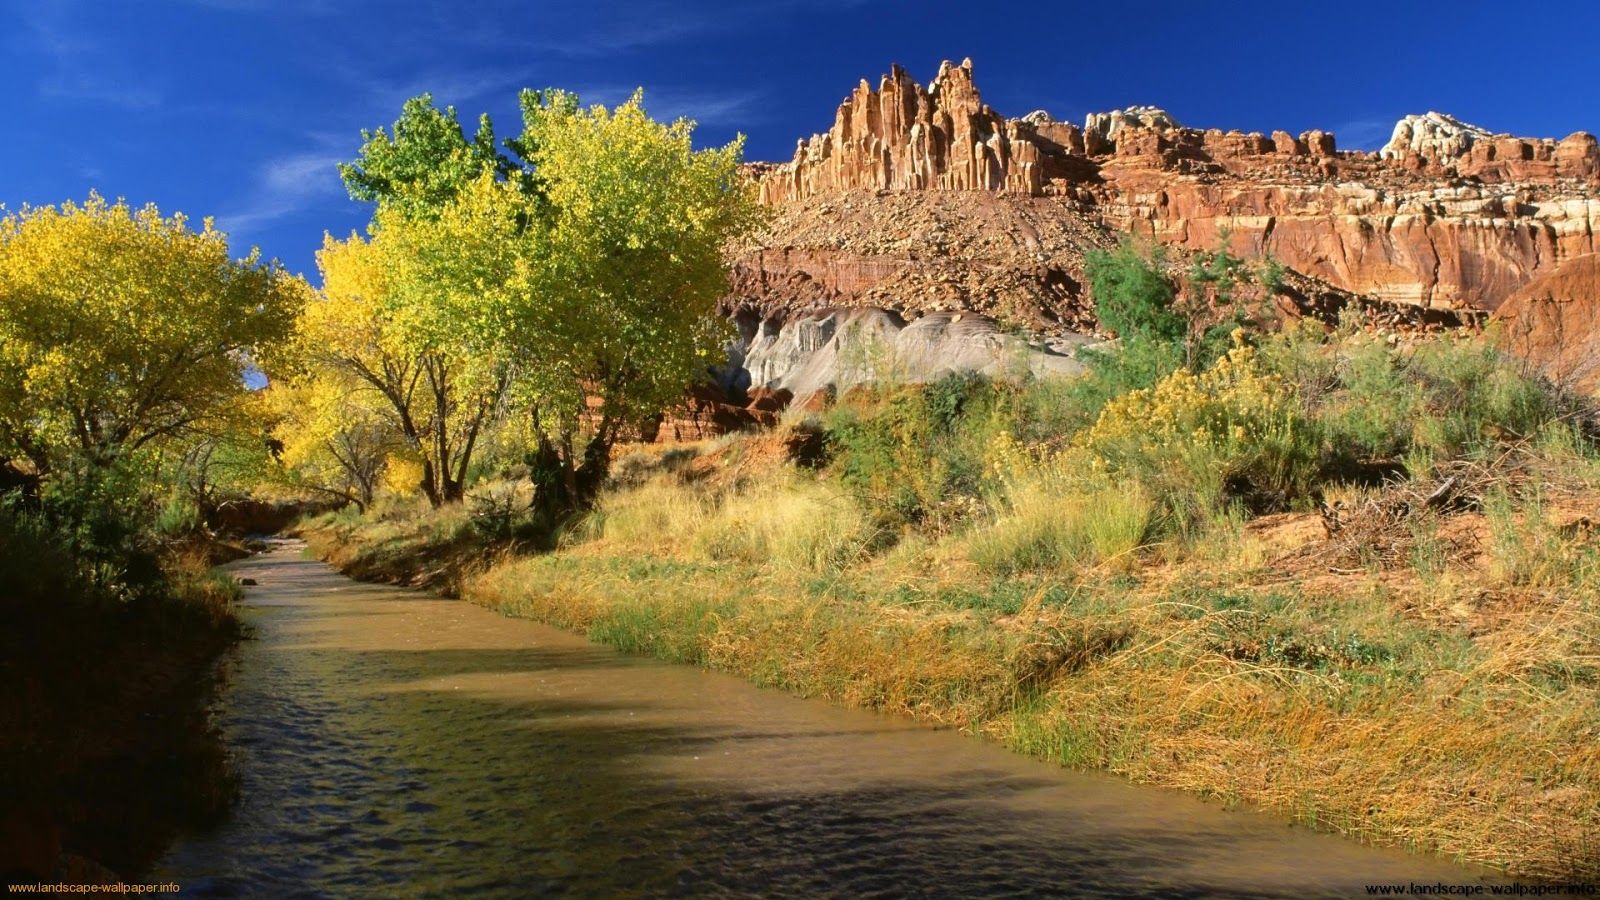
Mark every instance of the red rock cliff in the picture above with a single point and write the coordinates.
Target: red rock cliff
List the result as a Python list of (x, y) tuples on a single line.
[(1446, 215)]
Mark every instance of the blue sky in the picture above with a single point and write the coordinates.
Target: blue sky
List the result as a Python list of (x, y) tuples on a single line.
[(239, 109)]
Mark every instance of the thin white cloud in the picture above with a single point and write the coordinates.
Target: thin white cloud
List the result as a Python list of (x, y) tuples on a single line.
[(447, 88), (1363, 134), (316, 7), (284, 186), (671, 103), (90, 89), (650, 23)]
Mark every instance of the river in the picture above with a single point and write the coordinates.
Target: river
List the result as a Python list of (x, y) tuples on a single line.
[(390, 743)]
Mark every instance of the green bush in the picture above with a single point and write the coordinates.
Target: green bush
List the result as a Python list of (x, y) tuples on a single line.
[(37, 565), (1132, 298), (916, 455), (103, 523), (179, 517), (1447, 398)]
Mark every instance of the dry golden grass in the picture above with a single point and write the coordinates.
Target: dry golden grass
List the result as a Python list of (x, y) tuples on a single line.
[(1452, 710), (1355, 712)]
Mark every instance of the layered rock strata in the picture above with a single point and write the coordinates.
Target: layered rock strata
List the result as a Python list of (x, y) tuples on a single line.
[(1446, 215), (921, 206)]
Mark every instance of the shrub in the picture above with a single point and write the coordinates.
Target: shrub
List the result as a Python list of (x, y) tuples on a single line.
[(1447, 398), (916, 455), (1476, 396), (1233, 431), (503, 510), (179, 517), (1132, 298), (1135, 363), (38, 567)]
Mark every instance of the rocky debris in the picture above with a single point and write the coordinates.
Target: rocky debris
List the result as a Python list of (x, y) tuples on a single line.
[(1553, 321), (1016, 259)]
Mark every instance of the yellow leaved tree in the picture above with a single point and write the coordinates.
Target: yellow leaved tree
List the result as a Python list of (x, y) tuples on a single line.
[(367, 370), (616, 307), (120, 328), (575, 285)]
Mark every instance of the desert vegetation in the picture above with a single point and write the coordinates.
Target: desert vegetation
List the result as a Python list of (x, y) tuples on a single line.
[(124, 418), (532, 302), (1341, 574)]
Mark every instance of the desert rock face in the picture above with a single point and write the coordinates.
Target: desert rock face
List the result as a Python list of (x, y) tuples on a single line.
[(925, 203), (904, 137), (1447, 215), (1434, 136), (1553, 321)]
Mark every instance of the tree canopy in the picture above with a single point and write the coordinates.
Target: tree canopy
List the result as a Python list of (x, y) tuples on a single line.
[(571, 282), (357, 348), (120, 327), (422, 160)]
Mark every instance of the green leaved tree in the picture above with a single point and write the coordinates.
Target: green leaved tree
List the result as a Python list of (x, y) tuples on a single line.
[(575, 278)]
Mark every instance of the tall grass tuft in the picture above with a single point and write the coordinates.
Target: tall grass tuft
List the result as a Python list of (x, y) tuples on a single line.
[(1047, 527), (794, 523)]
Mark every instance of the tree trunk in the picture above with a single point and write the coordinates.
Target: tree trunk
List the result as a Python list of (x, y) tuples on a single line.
[(430, 485)]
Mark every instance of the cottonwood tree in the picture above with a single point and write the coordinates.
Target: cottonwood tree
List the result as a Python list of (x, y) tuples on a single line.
[(333, 435), (579, 275), (422, 161), (617, 305), (120, 328), (363, 333)]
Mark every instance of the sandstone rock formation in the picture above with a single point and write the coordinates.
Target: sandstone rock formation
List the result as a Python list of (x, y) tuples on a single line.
[(1447, 215), (903, 137), (1438, 142), (923, 203), (1106, 125), (1434, 136), (1554, 322)]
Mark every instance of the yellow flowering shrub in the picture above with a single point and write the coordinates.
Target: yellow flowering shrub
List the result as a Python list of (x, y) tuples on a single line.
[(1234, 430)]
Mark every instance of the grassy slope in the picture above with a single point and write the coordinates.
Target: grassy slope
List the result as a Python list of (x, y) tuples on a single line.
[(1418, 678)]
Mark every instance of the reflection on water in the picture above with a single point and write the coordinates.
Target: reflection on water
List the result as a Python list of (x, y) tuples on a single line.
[(393, 743)]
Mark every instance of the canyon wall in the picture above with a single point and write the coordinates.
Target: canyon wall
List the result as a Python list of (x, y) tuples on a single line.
[(1446, 215)]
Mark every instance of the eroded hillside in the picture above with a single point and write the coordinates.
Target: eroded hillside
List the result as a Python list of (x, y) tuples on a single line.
[(922, 199)]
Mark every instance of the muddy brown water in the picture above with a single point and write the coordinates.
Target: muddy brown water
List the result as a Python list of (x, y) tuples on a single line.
[(394, 744)]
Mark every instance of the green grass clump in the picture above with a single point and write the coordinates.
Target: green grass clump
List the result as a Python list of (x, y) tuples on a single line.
[(1042, 528)]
